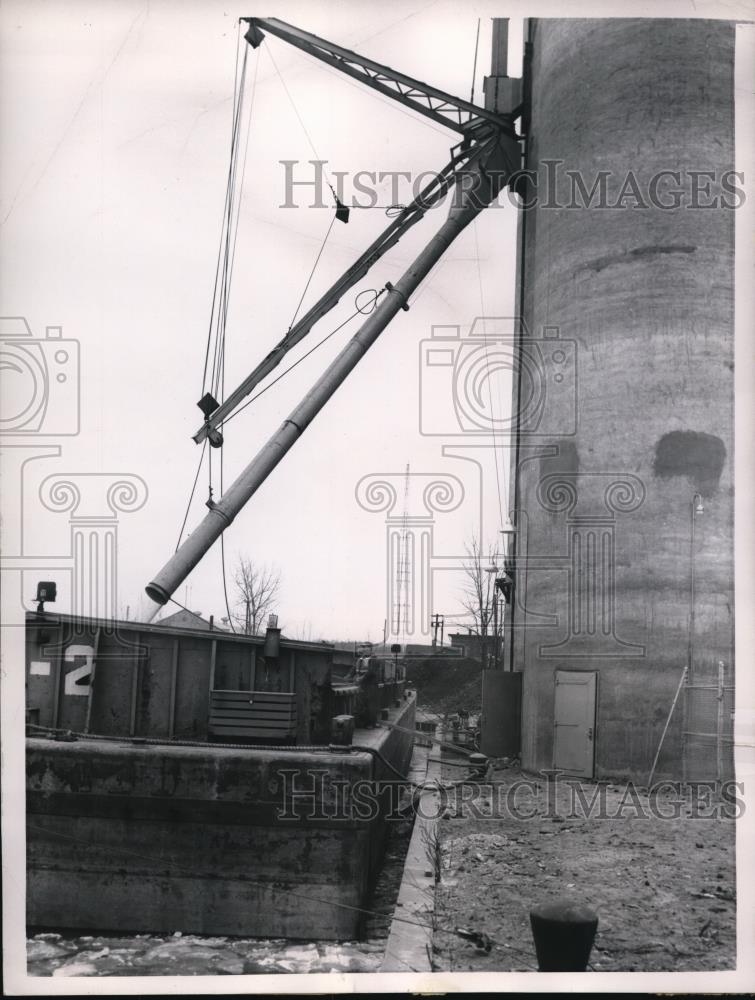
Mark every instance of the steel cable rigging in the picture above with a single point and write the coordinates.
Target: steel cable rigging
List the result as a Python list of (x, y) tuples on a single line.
[(213, 376), (215, 346)]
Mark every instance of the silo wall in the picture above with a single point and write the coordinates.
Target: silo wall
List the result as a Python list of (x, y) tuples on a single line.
[(625, 389)]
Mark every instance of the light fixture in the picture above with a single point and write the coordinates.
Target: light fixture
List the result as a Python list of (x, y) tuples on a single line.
[(508, 535), (46, 591)]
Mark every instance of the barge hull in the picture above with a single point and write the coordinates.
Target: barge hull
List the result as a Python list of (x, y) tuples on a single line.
[(258, 842)]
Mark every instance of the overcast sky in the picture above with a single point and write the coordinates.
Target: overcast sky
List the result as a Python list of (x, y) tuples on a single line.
[(116, 122)]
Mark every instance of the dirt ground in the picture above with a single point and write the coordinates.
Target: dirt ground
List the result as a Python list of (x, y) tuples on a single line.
[(664, 889)]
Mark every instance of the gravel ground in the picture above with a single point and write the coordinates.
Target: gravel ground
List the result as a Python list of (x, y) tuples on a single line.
[(664, 889)]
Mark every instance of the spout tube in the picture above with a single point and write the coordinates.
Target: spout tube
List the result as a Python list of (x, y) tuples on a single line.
[(486, 185)]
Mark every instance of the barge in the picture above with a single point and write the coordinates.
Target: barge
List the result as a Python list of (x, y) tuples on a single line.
[(203, 782)]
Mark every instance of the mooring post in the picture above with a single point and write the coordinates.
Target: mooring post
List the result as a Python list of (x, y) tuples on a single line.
[(564, 932)]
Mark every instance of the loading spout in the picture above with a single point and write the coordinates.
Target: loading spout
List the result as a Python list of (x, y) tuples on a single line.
[(476, 188)]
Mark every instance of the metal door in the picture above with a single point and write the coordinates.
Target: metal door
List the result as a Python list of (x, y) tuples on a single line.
[(574, 722), (500, 728)]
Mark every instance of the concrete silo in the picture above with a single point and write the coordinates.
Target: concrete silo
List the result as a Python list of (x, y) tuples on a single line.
[(622, 462)]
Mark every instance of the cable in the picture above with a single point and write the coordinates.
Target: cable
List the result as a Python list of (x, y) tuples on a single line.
[(191, 496), (229, 228), (222, 535), (172, 601), (474, 65), (229, 240), (220, 244), (227, 206), (224, 274), (367, 309), (312, 272), (224, 270), (243, 165), (232, 222), (296, 112), (227, 253), (302, 358), (415, 116)]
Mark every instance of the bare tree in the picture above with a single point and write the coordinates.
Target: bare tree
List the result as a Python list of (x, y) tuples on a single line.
[(256, 594), (479, 595)]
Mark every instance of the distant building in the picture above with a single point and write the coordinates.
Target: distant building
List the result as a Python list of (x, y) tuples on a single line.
[(471, 644), (190, 619)]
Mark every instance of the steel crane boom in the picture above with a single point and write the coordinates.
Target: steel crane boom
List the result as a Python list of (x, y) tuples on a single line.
[(430, 195), (476, 125), (484, 164), (445, 109)]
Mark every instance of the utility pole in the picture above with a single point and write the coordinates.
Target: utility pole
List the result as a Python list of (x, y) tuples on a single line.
[(495, 628), (437, 623)]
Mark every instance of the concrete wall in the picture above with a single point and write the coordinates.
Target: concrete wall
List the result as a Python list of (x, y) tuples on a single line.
[(640, 299), (205, 840)]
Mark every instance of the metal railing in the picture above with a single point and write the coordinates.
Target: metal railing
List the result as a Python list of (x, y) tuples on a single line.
[(708, 727)]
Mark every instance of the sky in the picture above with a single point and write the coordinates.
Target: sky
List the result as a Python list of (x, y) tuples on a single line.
[(112, 196), (117, 120)]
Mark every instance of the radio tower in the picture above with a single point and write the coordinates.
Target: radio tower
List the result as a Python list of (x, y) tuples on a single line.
[(402, 567)]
